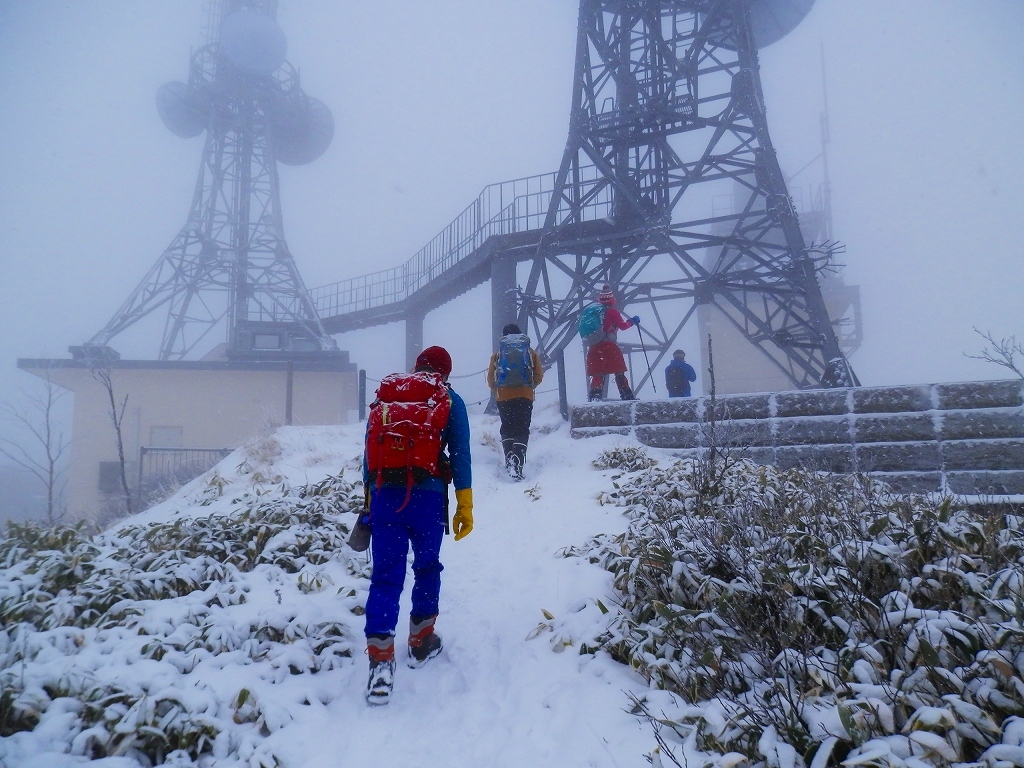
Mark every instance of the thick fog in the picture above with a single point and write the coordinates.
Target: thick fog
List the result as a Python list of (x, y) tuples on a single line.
[(434, 100)]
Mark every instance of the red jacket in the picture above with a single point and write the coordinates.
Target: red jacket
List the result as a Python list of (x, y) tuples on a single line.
[(613, 323)]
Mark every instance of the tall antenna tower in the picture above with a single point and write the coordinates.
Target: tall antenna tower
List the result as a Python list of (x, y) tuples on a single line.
[(230, 266), (668, 116), (668, 120)]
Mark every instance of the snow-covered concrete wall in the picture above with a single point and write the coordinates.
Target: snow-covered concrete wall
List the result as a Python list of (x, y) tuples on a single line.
[(964, 438)]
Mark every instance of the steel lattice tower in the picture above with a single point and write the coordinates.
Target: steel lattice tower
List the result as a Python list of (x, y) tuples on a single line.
[(668, 117), (230, 265)]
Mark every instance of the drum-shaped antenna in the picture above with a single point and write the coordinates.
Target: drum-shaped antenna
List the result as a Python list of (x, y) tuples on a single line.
[(180, 110), (772, 20), (253, 42), (301, 137)]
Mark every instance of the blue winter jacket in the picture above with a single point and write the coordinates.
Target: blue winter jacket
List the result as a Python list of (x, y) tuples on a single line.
[(455, 445), (678, 376)]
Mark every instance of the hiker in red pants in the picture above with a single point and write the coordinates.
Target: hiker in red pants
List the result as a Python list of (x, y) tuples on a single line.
[(603, 354)]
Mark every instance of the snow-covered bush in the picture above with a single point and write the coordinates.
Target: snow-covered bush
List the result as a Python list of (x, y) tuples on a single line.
[(116, 644), (801, 619), (629, 458)]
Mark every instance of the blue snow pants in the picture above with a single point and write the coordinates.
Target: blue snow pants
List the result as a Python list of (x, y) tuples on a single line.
[(420, 524)]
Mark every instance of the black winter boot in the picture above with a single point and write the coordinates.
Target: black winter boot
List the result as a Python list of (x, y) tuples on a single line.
[(424, 642), (381, 650), (594, 395), (625, 391), (517, 461)]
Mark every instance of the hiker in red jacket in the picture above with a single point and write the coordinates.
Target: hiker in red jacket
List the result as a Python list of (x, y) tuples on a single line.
[(603, 355)]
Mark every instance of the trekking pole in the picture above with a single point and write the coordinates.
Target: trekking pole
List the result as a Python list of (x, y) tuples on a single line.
[(640, 333)]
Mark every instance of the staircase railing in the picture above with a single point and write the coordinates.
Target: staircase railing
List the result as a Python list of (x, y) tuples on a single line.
[(501, 209)]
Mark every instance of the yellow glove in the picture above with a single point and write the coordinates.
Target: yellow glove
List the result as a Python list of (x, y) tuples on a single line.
[(462, 523)]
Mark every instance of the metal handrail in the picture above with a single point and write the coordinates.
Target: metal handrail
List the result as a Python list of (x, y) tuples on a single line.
[(520, 205)]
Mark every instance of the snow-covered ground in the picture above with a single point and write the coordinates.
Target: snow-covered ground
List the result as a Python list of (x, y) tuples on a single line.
[(506, 691)]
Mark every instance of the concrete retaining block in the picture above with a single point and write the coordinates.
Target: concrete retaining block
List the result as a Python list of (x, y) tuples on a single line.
[(681, 409), (602, 415), (756, 455), (895, 428), (580, 432), (743, 407), (891, 399), (816, 402), (911, 482), (982, 454), (820, 458), (993, 483), (980, 394), (740, 433), (982, 423), (893, 457), (812, 431), (669, 436)]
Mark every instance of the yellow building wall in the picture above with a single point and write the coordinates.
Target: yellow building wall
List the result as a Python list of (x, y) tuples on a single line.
[(739, 366), (215, 409)]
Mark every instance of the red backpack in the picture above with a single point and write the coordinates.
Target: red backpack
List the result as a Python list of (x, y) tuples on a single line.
[(403, 436)]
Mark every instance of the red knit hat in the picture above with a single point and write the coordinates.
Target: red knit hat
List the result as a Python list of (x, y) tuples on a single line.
[(606, 296), (436, 359)]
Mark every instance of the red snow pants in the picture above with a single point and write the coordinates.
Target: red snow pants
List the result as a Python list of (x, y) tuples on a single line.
[(605, 358)]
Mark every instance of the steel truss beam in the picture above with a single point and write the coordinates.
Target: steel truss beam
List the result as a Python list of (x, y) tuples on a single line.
[(668, 111)]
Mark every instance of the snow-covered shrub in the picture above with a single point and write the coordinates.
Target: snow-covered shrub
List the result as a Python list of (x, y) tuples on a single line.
[(629, 458), (113, 640), (805, 619)]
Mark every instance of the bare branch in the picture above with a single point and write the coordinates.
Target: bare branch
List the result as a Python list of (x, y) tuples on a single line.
[(45, 457), (1002, 353), (102, 375)]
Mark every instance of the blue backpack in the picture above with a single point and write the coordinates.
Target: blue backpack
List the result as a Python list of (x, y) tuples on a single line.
[(592, 323), (515, 363)]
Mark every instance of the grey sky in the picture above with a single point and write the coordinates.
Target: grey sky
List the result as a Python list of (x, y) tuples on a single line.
[(435, 100)]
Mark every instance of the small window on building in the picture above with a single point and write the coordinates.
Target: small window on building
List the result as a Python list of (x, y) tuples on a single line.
[(266, 341), (110, 477), (165, 437)]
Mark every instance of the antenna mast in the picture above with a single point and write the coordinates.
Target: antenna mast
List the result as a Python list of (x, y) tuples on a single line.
[(230, 266)]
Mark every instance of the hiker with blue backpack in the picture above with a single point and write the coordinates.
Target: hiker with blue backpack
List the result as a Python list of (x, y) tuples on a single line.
[(514, 372), (678, 375), (599, 327)]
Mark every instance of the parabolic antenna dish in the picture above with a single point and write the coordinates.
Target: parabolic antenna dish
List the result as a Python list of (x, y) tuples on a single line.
[(301, 137), (179, 110), (772, 20), (253, 42)]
